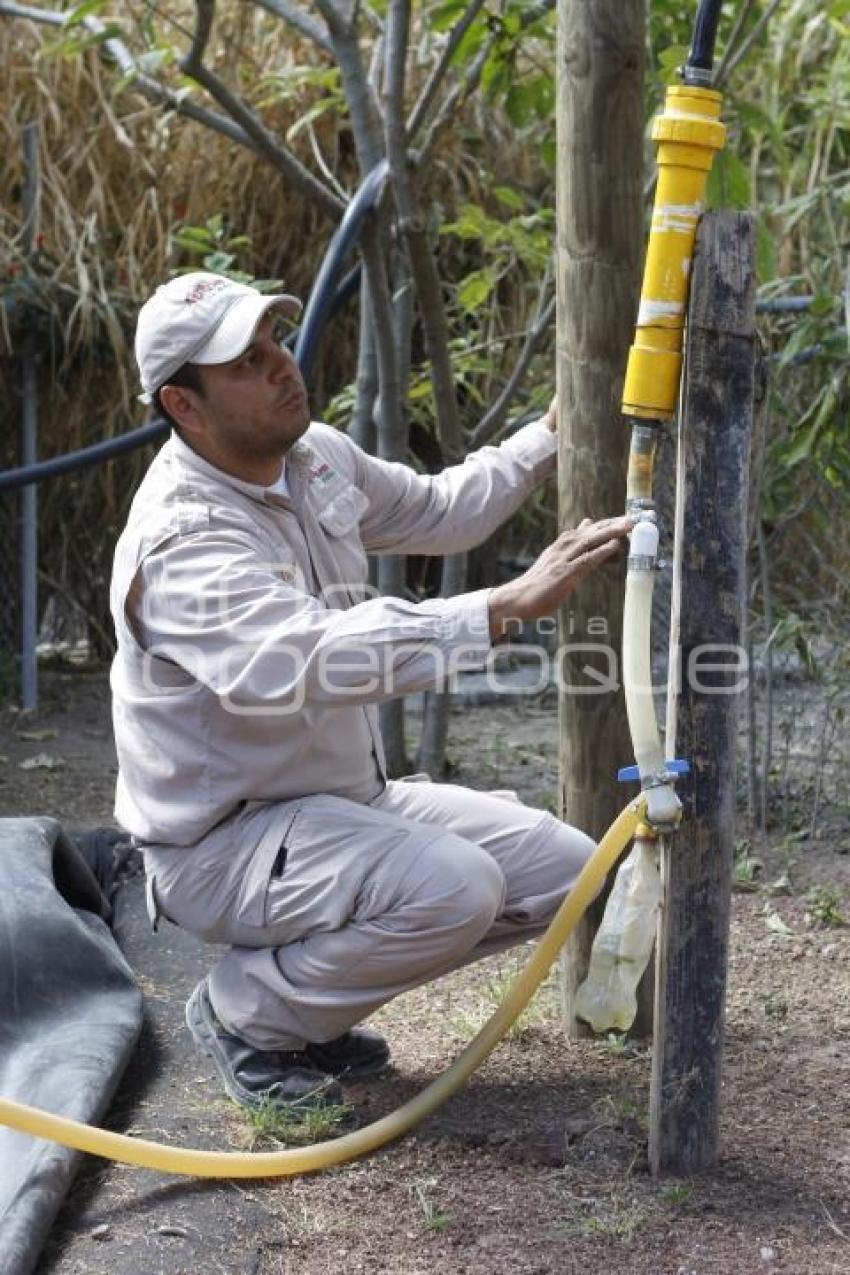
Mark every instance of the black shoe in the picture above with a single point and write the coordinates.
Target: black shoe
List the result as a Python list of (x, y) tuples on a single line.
[(255, 1077), (359, 1053)]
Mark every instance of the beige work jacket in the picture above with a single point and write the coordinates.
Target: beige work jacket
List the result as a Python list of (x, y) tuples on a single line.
[(251, 657)]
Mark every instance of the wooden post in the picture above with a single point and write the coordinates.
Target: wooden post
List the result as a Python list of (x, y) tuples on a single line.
[(599, 258), (706, 630)]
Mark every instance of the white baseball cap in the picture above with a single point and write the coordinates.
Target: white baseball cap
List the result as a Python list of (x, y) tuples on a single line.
[(199, 318)]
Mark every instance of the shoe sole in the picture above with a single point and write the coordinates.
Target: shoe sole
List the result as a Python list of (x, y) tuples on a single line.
[(204, 1037)]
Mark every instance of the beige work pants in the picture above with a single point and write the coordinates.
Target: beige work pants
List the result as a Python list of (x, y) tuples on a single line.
[(331, 908)]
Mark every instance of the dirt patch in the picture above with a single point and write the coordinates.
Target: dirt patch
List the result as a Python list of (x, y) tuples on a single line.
[(539, 1164)]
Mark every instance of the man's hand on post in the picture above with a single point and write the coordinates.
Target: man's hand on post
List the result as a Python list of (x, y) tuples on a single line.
[(551, 417), (561, 567)]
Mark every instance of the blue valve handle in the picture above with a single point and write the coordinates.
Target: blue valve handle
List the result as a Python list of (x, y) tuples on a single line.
[(629, 774)]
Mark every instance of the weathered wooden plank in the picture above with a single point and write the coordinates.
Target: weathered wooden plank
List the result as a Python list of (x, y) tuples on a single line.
[(707, 616)]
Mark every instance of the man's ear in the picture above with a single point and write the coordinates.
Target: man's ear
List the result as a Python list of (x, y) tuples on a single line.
[(183, 406)]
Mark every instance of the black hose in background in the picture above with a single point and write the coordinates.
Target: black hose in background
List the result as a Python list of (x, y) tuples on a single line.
[(324, 289), (153, 432), (701, 56)]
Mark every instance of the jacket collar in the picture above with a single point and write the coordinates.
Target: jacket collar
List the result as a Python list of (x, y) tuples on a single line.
[(299, 455)]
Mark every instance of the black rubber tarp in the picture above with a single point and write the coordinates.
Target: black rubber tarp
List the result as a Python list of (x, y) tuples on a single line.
[(70, 1014)]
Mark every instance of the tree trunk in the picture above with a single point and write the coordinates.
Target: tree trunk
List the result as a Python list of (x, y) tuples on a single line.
[(600, 246)]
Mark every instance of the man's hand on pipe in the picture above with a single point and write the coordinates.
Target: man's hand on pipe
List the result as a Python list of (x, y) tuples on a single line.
[(561, 567)]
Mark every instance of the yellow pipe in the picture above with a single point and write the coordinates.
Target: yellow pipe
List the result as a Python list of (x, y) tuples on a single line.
[(689, 133), (235, 1164)]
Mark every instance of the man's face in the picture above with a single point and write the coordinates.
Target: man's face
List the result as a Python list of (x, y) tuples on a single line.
[(254, 408)]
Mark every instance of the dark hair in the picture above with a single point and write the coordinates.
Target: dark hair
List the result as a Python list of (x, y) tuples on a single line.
[(187, 377)]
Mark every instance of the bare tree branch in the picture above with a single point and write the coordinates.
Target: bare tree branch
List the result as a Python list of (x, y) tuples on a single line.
[(467, 86), (412, 225), (144, 84), (429, 91), (743, 13), (729, 63), (267, 145), (455, 98), (494, 417), (297, 18), (359, 92), (339, 22), (255, 137)]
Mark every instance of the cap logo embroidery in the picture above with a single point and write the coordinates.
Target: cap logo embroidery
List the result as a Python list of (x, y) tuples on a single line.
[(203, 289)]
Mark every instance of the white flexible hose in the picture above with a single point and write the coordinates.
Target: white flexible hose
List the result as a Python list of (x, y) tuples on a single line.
[(663, 806)]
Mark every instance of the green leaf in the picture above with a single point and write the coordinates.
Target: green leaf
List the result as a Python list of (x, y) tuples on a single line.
[(472, 40), (195, 234), (510, 197), (767, 255), (219, 261), (83, 11), (475, 289), (153, 60), (267, 285), (192, 245), (495, 77), (530, 100), (318, 109), (806, 441), (823, 303), (670, 60), (728, 183), (774, 922), (80, 41), (446, 15), (757, 120), (473, 223)]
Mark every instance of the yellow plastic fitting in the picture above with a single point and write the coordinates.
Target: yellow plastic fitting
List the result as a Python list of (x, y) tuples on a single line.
[(689, 134)]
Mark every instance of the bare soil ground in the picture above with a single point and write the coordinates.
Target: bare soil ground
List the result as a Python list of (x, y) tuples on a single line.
[(539, 1164)]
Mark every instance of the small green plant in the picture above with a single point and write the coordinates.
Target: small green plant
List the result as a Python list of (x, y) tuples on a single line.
[(624, 1109), (535, 1015), (620, 1221), (621, 1046), (775, 1007), (825, 905), (291, 1126), (677, 1193), (746, 867), (615, 1218), (435, 1218)]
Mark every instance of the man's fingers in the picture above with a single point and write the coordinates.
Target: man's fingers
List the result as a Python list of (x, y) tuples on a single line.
[(588, 535), (620, 525), (594, 557), (599, 553)]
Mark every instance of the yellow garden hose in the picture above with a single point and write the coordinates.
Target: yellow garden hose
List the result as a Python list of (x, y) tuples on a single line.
[(234, 1164)]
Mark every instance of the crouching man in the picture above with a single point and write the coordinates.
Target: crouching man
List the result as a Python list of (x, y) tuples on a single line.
[(250, 664)]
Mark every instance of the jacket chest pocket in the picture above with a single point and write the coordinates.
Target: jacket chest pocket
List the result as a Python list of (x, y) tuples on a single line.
[(347, 568)]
